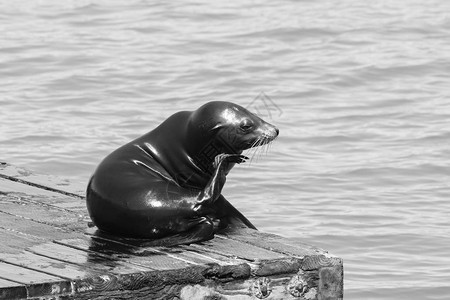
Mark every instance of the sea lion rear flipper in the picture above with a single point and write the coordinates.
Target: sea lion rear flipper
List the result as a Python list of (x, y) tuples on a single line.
[(233, 217)]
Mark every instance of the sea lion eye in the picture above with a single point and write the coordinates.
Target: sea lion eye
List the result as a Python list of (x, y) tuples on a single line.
[(246, 125)]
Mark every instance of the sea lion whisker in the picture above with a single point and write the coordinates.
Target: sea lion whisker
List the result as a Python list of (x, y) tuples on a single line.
[(268, 145), (255, 153), (265, 143), (253, 150), (265, 148), (249, 153), (261, 148), (255, 143), (260, 152), (256, 149)]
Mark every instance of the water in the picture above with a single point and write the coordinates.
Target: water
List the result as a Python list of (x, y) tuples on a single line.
[(362, 164)]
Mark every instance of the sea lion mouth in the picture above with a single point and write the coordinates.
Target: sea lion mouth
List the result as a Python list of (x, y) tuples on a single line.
[(260, 145), (262, 140)]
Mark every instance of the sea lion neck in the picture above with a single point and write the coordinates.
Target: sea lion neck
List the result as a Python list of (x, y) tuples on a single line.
[(171, 145)]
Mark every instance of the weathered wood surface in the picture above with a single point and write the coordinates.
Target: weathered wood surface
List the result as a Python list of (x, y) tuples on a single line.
[(48, 251)]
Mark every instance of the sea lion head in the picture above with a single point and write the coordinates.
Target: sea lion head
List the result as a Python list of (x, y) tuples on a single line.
[(224, 127)]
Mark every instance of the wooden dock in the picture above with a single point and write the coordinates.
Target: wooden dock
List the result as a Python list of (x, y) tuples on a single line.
[(49, 251)]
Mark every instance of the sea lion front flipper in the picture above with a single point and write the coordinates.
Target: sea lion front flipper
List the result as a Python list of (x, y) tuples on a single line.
[(213, 189)]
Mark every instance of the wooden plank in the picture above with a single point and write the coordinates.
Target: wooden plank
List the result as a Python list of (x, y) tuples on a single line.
[(35, 195), (163, 284), (199, 255), (202, 256), (12, 290), (6, 283), (261, 261), (273, 242), (331, 282), (313, 257), (48, 265), (33, 230), (24, 275), (8, 186), (62, 202), (30, 207), (195, 255), (149, 258), (42, 181), (143, 285), (85, 259), (233, 248), (37, 283), (13, 242)]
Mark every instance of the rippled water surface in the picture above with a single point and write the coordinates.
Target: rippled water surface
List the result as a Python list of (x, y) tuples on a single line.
[(360, 91)]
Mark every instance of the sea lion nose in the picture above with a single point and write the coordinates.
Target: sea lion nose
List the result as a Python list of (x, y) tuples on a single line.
[(271, 130)]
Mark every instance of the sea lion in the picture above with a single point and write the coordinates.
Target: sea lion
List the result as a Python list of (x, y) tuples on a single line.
[(167, 184)]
